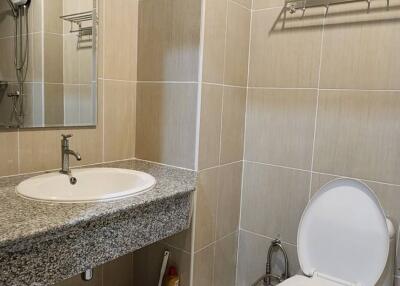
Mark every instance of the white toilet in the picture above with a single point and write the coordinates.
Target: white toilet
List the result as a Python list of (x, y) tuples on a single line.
[(344, 238)]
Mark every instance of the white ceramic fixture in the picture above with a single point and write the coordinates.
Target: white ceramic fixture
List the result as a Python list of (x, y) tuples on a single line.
[(92, 185), (343, 237)]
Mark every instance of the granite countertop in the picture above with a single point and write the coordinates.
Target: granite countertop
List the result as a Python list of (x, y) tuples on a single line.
[(23, 222)]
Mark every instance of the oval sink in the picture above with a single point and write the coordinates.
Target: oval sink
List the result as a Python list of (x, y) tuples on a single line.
[(93, 185)]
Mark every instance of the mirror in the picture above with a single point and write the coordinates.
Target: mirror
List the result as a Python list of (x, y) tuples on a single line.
[(48, 74)]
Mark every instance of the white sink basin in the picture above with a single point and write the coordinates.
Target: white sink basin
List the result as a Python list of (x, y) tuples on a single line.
[(93, 185)]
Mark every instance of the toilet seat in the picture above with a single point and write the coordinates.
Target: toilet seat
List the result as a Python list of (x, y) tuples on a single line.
[(343, 237), (299, 280)]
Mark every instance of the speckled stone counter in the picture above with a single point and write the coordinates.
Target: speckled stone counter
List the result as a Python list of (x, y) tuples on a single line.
[(42, 243)]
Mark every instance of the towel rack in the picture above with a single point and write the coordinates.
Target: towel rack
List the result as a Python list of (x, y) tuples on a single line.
[(293, 5), (76, 21)]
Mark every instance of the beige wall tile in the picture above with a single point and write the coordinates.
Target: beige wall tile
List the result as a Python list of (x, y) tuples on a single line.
[(119, 120), (210, 126), (253, 251), (237, 45), (7, 21), (36, 60), (77, 280), (8, 153), (233, 121), (359, 47), (7, 70), (273, 200), (89, 143), (120, 39), (285, 57), (229, 195), (181, 240), (53, 9), (245, 3), (203, 267), (206, 207), (53, 61), (71, 59), (53, 104), (280, 126), (100, 44), (358, 134), (119, 272), (225, 261), (262, 4), (166, 123), (214, 40), (169, 36), (39, 150)]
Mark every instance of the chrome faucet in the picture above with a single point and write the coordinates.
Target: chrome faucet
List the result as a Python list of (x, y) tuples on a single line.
[(65, 153)]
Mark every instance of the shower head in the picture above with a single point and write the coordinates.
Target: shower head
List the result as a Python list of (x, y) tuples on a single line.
[(13, 9), (15, 4)]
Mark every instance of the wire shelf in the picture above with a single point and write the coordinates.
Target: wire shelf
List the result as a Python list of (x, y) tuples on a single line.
[(77, 21)]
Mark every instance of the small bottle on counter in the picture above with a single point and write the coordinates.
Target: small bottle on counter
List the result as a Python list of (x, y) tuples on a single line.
[(172, 278)]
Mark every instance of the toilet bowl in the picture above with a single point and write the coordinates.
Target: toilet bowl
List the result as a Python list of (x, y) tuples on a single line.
[(344, 238)]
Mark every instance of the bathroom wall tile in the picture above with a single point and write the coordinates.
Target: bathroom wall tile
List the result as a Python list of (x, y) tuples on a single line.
[(273, 200), (71, 59), (214, 40), (169, 34), (8, 153), (206, 207), (203, 267), (147, 262), (280, 126), (53, 61), (7, 70), (119, 120), (210, 126), (253, 251), (53, 104), (229, 194), (39, 150), (35, 16), (263, 4), (85, 66), (245, 3), (77, 280), (7, 20), (120, 39), (181, 240), (226, 260), (53, 9), (36, 61), (119, 272), (237, 45), (166, 123), (233, 121), (286, 57), (358, 134), (368, 43)]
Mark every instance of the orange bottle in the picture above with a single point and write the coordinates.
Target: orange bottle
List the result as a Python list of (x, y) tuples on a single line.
[(172, 278)]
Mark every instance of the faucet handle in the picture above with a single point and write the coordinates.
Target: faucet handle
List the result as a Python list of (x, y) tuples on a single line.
[(66, 136)]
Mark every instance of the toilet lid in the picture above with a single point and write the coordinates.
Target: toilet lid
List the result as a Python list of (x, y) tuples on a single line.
[(343, 234)]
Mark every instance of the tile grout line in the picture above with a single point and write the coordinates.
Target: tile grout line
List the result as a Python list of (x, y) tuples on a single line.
[(244, 143), (317, 106), (321, 173), (198, 127), (218, 166), (267, 237)]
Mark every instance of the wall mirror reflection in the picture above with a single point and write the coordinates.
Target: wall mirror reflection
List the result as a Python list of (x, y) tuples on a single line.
[(48, 68)]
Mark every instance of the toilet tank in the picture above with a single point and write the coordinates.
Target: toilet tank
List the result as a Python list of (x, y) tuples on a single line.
[(387, 278)]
